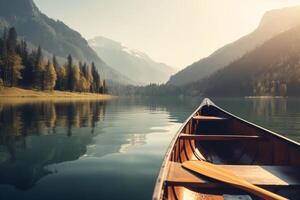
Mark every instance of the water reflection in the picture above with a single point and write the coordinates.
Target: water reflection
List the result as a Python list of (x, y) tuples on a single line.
[(49, 138), (78, 150), (35, 135), (269, 107), (281, 115), (43, 118)]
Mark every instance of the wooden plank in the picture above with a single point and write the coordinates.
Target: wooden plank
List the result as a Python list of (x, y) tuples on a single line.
[(207, 118), (263, 176), (218, 137), (226, 176), (180, 192)]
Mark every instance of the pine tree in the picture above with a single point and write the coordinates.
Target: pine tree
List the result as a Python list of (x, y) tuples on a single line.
[(61, 79), (103, 88), (87, 77), (27, 72), (55, 63), (14, 62), (50, 77), (82, 81), (38, 70), (57, 69), (1, 60), (4, 59), (76, 78), (69, 71), (12, 40), (96, 79), (15, 65)]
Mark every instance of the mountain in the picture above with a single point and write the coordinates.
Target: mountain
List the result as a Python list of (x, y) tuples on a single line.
[(54, 36), (273, 23), (132, 63), (271, 69)]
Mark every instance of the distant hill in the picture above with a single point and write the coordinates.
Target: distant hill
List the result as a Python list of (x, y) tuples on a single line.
[(273, 23), (134, 64), (54, 36), (271, 69)]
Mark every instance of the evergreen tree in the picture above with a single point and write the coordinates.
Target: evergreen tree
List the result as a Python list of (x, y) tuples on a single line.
[(83, 68), (61, 79), (69, 71), (4, 59), (55, 63), (57, 69), (49, 77), (96, 79), (12, 40), (14, 62), (103, 87), (27, 72), (76, 79), (15, 65), (1, 59), (38, 70), (82, 81), (87, 77)]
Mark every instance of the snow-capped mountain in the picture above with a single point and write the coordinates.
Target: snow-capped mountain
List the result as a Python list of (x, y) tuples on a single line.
[(134, 64)]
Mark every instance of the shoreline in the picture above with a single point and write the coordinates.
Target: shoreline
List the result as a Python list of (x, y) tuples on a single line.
[(266, 97), (14, 93)]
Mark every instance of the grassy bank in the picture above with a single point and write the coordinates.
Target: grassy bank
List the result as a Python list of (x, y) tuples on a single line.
[(25, 93)]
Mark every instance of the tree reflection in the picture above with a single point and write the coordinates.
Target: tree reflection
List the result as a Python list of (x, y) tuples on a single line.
[(23, 155), (268, 107), (44, 118)]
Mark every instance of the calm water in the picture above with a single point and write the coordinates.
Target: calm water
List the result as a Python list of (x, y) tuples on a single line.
[(97, 150)]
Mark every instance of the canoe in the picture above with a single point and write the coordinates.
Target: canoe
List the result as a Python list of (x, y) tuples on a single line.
[(250, 152)]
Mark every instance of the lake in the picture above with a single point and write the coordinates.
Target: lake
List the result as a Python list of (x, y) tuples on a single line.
[(106, 150)]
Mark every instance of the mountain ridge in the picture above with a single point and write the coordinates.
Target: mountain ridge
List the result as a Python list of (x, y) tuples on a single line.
[(284, 19), (276, 71), (132, 63), (53, 36)]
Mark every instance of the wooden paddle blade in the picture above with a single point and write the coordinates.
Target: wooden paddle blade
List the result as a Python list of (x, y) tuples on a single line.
[(220, 174)]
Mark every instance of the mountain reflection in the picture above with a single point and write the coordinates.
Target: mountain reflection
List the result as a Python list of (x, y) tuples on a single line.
[(33, 136)]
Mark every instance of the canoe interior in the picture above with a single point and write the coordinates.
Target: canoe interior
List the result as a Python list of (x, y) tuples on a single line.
[(215, 135), (269, 149)]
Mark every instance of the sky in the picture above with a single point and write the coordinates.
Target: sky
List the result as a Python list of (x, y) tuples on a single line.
[(176, 32)]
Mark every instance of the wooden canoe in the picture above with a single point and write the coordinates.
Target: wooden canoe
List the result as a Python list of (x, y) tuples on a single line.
[(250, 152)]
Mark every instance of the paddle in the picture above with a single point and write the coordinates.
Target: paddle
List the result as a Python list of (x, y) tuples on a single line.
[(225, 176)]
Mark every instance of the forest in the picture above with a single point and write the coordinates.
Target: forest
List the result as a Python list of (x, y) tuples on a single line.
[(20, 67)]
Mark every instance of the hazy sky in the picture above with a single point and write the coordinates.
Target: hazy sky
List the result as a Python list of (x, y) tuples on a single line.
[(177, 32)]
